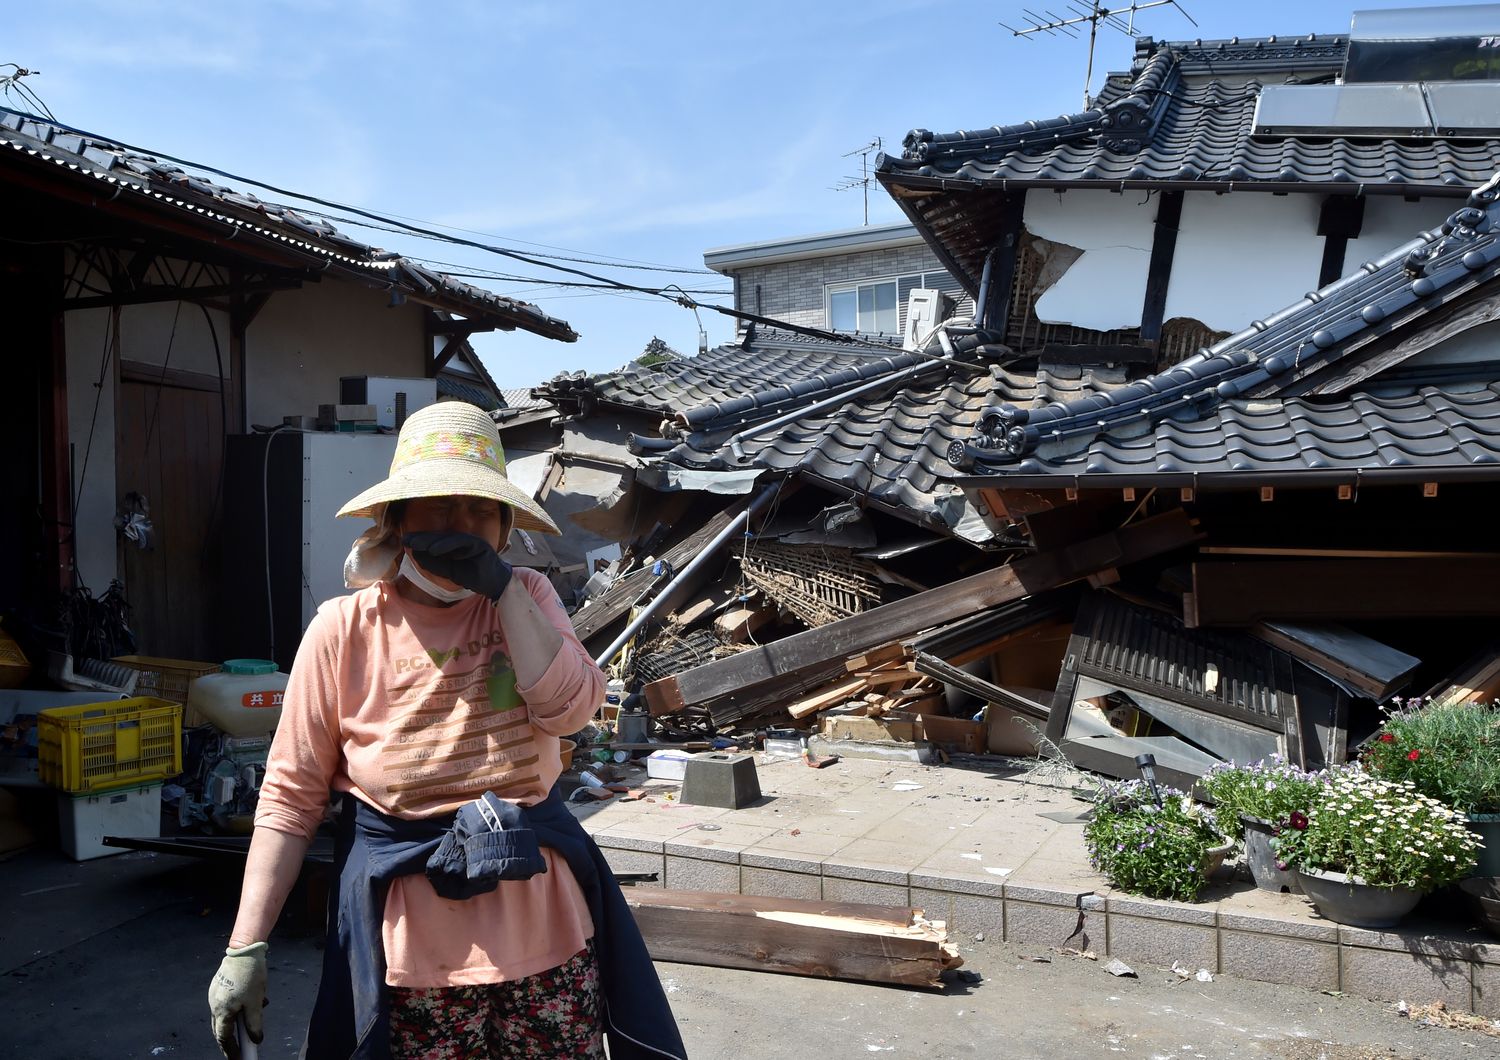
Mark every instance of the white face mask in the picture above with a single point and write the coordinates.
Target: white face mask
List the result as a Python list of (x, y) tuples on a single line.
[(412, 573)]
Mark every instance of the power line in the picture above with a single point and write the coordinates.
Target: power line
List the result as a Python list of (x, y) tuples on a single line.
[(671, 292)]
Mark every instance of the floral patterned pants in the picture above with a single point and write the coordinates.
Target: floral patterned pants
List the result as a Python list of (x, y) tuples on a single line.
[(547, 1016)]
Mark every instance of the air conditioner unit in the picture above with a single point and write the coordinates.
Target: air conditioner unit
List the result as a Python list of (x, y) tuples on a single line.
[(924, 309)]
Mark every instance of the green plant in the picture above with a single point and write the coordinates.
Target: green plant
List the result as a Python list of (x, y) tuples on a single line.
[(1271, 789), (1156, 851), (1450, 751), (1384, 832)]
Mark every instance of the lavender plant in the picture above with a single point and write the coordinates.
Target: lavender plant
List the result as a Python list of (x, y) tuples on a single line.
[(1146, 849)]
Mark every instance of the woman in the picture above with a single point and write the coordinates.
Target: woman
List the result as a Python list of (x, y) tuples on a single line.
[(472, 917)]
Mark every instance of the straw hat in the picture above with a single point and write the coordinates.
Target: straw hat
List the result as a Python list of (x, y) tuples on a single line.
[(446, 449)]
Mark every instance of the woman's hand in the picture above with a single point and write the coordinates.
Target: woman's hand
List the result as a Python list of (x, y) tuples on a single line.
[(463, 559)]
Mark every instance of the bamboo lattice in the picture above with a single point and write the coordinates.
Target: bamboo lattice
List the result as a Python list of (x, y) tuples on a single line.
[(816, 583)]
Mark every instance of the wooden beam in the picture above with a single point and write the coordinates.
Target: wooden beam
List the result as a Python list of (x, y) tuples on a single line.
[(1003, 271), (1227, 593), (741, 684), (831, 940), (1159, 271), (829, 697), (1477, 682), (977, 686), (452, 346), (56, 482)]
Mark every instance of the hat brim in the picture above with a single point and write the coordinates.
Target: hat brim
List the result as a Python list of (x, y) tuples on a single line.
[(444, 478)]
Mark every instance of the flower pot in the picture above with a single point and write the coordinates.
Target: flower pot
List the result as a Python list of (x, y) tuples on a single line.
[(1487, 827), (1349, 900), (1483, 893), (1262, 859), (1213, 859)]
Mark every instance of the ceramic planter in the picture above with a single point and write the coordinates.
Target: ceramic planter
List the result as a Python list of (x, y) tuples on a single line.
[(1262, 859), (1349, 900), (1487, 827), (1213, 859)]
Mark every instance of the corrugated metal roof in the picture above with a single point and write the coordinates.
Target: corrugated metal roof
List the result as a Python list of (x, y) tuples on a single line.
[(88, 161)]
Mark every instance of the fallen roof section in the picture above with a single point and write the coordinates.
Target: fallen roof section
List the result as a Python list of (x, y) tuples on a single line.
[(1234, 409)]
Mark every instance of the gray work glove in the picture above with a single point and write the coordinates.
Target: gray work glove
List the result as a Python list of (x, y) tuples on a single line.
[(238, 990)]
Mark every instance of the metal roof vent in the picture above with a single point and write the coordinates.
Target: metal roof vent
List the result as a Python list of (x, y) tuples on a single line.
[(1450, 43)]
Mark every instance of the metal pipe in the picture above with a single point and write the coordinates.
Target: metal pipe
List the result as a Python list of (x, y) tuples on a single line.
[(982, 301), (754, 508)]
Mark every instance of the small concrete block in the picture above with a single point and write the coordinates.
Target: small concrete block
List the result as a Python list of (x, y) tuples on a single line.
[(974, 915), (1278, 959), (717, 778), (692, 874), (935, 905), (774, 883), (1162, 942), (1390, 975), (1157, 909), (846, 890), (986, 886), (636, 861), (1035, 924), (1487, 990), (1412, 941), (629, 841), (785, 860), (1039, 895)]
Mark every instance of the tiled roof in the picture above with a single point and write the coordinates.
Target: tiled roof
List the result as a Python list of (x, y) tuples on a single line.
[(887, 446), (478, 396), (1182, 118), (520, 398), (1185, 115), (241, 215), (1233, 407), (724, 385)]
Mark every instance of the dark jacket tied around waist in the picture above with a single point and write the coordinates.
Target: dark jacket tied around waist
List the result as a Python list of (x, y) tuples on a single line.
[(465, 854)]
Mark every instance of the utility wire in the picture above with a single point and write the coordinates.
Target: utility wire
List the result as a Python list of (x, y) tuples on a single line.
[(681, 298)]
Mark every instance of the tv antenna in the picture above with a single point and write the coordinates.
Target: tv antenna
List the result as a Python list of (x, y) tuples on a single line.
[(1094, 14), (864, 178)]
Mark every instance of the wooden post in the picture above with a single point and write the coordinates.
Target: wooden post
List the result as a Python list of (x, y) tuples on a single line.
[(1003, 272), (57, 479), (1159, 272)]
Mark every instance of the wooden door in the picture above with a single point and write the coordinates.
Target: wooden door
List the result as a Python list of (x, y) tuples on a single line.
[(169, 449)]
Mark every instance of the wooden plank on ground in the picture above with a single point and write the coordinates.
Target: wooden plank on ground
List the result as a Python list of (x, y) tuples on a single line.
[(742, 684), (1227, 593), (833, 940), (1375, 669), (739, 624)]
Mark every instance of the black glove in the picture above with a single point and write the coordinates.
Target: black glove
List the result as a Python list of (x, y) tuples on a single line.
[(461, 558)]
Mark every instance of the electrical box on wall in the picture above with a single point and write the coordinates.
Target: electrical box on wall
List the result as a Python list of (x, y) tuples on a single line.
[(388, 394)]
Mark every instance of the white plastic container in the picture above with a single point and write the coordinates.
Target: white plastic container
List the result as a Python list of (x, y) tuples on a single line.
[(84, 820), (667, 764), (243, 700)]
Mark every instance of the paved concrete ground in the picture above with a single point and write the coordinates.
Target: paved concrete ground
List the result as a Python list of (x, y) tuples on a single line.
[(990, 851), (110, 959)]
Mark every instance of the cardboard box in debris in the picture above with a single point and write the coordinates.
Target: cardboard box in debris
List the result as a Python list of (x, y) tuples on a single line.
[(1103, 628)]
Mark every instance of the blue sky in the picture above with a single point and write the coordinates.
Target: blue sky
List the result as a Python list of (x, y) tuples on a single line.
[(646, 132)]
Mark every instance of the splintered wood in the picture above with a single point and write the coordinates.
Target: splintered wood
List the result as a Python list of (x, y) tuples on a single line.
[(833, 940)]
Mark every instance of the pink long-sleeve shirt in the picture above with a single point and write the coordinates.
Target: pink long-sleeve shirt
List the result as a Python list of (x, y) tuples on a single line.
[(415, 710)]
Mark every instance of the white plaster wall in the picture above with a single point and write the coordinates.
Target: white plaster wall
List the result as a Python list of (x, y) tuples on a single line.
[(1106, 287), (93, 482), (1391, 221), (175, 334), (303, 341), (1242, 256)]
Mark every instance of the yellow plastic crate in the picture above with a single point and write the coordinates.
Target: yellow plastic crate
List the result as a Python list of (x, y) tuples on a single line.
[(165, 678), (94, 746)]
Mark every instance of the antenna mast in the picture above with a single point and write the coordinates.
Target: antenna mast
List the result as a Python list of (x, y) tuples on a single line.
[(1117, 18), (864, 178)]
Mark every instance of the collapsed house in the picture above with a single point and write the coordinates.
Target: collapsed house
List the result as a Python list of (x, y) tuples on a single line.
[(1105, 506)]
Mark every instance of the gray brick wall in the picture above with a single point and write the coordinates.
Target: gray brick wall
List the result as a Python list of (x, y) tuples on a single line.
[(793, 290)]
